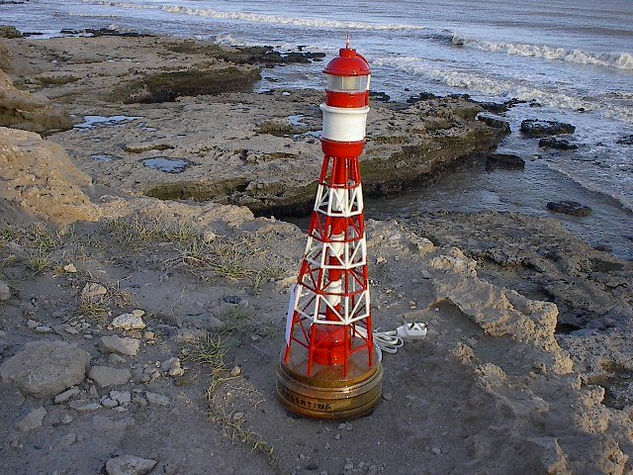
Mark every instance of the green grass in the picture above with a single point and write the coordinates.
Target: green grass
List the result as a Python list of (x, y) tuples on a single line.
[(211, 353)]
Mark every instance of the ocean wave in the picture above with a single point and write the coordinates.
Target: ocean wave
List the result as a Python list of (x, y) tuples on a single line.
[(503, 87), (260, 18), (620, 60), (612, 185), (229, 40)]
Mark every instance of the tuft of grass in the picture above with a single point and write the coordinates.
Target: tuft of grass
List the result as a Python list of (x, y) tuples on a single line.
[(38, 262), (267, 274), (211, 353), (235, 429), (96, 311)]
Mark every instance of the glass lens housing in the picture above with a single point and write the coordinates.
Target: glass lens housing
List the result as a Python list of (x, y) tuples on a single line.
[(347, 83)]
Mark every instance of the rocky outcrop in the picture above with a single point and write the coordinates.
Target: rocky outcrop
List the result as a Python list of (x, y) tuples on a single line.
[(167, 86), (572, 208), (542, 128), (39, 177), (504, 161), (9, 32), (23, 110), (559, 144)]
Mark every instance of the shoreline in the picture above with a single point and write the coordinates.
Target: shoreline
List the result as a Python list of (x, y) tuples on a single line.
[(529, 327)]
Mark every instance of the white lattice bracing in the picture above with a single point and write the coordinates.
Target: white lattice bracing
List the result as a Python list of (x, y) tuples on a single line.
[(348, 297)]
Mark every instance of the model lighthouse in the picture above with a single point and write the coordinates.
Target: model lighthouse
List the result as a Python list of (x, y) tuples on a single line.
[(329, 367)]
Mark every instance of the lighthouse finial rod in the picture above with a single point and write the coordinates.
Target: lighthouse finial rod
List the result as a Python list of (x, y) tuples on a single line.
[(347, 41)]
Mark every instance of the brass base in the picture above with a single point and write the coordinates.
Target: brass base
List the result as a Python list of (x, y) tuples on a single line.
[(327, 394)]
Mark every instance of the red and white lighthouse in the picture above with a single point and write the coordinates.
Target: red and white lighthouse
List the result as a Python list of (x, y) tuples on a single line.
[(329, 367)]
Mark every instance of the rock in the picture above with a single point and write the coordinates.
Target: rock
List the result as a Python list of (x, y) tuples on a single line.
[(122, 397), (572, 208), (129, 465), (106, 376), (26, 111), (107, 402), (157, 399), (205, 322), (5, 292), (40, 178), (504, 161), (559, 144), (542, 128), (45, 368), (189, 335), (84, 405), (495, 123), (167, 86), (68, 440), (236, 371), (66, 419), (32, 419), (32, 324), (138, 313), (66, 395), (116, 359), (93, 292), (436, 451), (123, 346), (9, 32), (70, 268), (172, 366), (128, 321)]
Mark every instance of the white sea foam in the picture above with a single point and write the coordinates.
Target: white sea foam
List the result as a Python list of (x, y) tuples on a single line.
[(230, 40), (501, 87), (260, 18), (620, 60)]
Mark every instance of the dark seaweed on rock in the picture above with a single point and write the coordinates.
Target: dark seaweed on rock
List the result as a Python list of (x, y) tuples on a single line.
[(167, 86)]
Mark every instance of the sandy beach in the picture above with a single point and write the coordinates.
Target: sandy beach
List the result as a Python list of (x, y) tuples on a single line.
[(144, 177)]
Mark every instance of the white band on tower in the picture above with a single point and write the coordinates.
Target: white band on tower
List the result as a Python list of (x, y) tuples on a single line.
[(344, 124)]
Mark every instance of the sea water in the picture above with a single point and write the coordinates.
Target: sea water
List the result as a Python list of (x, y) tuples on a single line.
[(571, 58)]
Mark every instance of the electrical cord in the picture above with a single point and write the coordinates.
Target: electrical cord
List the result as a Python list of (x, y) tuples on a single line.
[(392, 340)]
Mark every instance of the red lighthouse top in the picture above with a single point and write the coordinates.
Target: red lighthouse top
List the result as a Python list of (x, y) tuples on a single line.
[(348, 63)]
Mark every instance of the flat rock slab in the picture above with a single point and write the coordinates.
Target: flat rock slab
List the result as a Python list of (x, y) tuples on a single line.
[(129, 465), (45, 368), (123, 346), (106, 376)]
